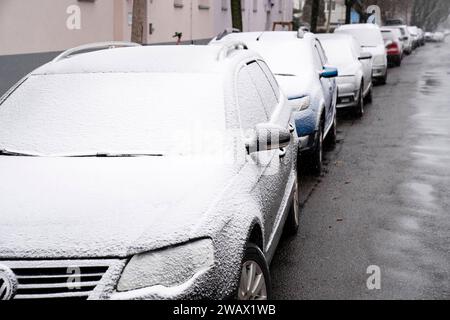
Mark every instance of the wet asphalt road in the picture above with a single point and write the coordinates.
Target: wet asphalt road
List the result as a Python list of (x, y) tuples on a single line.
[(385, 198)]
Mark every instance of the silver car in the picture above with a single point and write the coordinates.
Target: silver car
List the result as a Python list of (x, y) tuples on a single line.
[(371, 41), (354, 70), (145, 173)]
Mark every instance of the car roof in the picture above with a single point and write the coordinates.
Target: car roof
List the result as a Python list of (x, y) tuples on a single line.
[(266, 36), (141, 59), (335, 37)]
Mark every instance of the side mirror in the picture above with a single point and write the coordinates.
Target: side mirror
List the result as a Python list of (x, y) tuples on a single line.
[(365, 56), (329, 72), (268, 136), (405, 38)]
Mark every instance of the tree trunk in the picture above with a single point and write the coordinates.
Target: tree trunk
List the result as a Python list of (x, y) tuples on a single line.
[(314, 15), (236, 14), (139, 21)]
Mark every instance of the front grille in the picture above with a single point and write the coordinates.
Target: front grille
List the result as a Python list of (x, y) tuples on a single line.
[(57, 279)]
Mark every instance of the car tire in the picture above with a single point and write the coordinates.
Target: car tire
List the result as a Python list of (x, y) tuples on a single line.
[(398, 63), (293, 219), (254, 274), (359, 109), (316, 159), (383, 80), (369, 97)]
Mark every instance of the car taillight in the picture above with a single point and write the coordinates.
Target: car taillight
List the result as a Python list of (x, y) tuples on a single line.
[(393, 48)]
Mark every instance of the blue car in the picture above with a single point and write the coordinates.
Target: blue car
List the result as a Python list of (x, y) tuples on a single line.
[(301, 67)]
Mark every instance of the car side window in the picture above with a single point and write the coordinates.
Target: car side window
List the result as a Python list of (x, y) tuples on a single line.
[(317, 62), (322, 55), (271, 78), (251, 108), (264, 87)]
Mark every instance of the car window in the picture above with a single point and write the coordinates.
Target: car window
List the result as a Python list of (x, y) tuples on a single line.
[(271, 78), (322, 54), (317, 62), (263, 87), (251, 108)]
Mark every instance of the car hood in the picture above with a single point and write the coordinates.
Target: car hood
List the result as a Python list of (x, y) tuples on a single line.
[(103, 207), (295, 86)]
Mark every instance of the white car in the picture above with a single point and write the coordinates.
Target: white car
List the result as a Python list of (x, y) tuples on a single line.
[(302, 70), (371, 40), (414, 32), (162, 172), (354, 69)]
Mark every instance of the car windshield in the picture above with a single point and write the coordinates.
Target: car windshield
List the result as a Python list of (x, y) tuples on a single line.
[(366, 37), (339, 52), (133, 113), (286, 58)]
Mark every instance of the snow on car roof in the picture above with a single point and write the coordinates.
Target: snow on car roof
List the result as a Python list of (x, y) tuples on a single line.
[(359, 26), (187, 59)]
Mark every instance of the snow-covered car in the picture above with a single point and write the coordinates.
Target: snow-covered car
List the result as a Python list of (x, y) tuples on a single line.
[(371, 40), (406, 37), (161, 172), (438, 36), (394, 46), (414, 32), (354, 68), (428, 36), (302, 70)]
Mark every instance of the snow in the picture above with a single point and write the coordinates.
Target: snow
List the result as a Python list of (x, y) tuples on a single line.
[(367, 35), (63, 114)]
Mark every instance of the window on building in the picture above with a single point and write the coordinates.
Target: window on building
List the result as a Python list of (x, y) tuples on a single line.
[(333, 6), (178, 3), (203, 4), (255, 5), (225, 5)]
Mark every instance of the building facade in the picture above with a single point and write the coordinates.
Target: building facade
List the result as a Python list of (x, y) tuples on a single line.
[(55, 25)]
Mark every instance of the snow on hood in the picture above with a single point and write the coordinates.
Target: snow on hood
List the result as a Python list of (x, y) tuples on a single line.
[(103, 207)]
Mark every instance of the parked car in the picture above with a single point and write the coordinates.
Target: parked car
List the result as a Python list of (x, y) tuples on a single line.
[(103, 180), (438, 37), (394, 46), (371, 40), (301, 67), (414, 32), (354, 68), (406, 37), (428, 36)]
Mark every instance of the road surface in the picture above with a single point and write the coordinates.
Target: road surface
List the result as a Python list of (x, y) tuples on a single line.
[(384, 200)]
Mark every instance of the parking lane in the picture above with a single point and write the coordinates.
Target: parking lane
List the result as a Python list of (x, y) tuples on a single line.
[(383, 199)]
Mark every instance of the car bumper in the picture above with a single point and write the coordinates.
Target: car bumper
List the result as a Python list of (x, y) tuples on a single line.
[(348, 95), (379, 71)]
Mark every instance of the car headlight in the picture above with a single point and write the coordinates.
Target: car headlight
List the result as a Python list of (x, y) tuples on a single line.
[(300, 103), (168, 267)]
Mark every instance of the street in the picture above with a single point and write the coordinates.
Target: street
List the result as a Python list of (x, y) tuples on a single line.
[(383, 200)]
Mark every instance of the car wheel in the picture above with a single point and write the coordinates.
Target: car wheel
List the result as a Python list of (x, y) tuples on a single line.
[(383, 80), (293, 219), (254, 282), (369, 97), (359, 109), (316, 159)]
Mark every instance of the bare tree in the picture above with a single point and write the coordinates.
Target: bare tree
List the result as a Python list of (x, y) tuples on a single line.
[(139, 21), (430, 14), (314, 13), (236, 14)]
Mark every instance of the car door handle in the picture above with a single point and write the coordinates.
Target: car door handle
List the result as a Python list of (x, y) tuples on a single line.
[(283, 152)]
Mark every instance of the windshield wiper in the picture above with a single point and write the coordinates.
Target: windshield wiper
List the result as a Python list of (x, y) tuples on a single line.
[(116, 155), (4, 152)]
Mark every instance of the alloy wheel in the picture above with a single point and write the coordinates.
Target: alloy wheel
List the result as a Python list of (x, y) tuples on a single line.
[(253, 283)]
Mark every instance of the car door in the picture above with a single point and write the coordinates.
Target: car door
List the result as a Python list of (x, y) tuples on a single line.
[(258, 103), (366, 65), (332, 87), (326, 85)]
